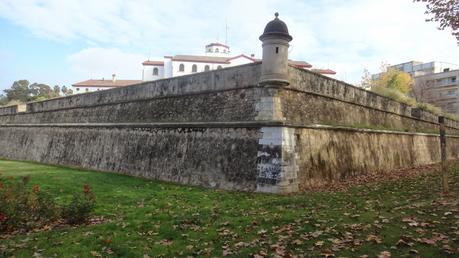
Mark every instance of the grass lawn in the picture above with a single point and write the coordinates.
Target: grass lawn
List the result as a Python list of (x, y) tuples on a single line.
[(406, 218)]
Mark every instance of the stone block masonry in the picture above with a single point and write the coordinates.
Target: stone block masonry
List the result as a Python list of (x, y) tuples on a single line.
[(277, 171), (213, 157), (221, 129)]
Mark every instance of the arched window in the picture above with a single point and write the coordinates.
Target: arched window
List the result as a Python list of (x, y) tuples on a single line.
[(206, 68), (219, 67), (194, 68), (155, 71), (181, 68)]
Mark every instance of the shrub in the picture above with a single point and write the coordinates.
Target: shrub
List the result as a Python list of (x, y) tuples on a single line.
[(23, 208), (429, 108), (395, 95), (80, 207), (451, 116)]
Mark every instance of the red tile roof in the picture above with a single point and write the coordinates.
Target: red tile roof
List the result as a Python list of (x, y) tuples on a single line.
[(242, 55), (217, 45), (201, 59), (157, 63), (323, 71), (106, 83), (300, 64)]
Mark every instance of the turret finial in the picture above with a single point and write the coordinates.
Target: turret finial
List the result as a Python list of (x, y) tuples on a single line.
[(276, 14)]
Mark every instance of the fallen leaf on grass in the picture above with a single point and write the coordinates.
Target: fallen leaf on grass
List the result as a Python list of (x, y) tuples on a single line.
[(402, 242), (373, 238), (319, 243), (297, 242), (327, 253), (384, 254), (448, 249), (426, 241), (165, 242), (37, 255)]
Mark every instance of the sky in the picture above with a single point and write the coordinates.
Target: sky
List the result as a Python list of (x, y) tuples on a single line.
[(60, 42)]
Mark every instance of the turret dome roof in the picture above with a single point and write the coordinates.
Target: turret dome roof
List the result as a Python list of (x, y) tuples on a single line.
[(276, 28)]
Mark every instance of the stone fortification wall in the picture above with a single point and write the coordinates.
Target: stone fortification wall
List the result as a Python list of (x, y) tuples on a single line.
[(315, 99), (218, 80), (212, 157), (221, 129), (221, 95), (332, 154), (227, 105), (9, 110)]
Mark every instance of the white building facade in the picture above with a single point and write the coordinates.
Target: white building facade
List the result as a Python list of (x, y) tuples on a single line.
[(216, 56)]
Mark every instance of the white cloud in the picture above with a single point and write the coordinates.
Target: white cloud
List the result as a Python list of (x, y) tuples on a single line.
[(347, 36), (99, 63)]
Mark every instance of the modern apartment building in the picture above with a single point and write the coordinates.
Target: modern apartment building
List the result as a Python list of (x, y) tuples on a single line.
[(439, 89), (435, 82), (416, 68)]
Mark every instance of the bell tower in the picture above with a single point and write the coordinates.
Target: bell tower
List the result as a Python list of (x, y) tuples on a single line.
[(274, 65)]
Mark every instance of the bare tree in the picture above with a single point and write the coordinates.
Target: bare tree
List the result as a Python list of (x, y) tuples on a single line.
[(446, 12), (422, 90)]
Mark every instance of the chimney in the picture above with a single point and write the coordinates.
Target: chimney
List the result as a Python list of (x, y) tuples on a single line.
[(113, 77)]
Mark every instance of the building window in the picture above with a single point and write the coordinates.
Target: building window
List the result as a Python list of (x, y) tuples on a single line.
[(453, 79), (446, 70), (206, 68), (78, 89), (87, 89), (194, 68), (181, 68), (277, 50), (451, 93), (216, 50), (155, 71), (219, 67)]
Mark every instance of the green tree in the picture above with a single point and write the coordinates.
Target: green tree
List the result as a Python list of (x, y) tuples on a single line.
[(40, 91), (66, 91), (19, 91), (394, 79), (3, 100), (446, 12), (57, 91), (392, 83)]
